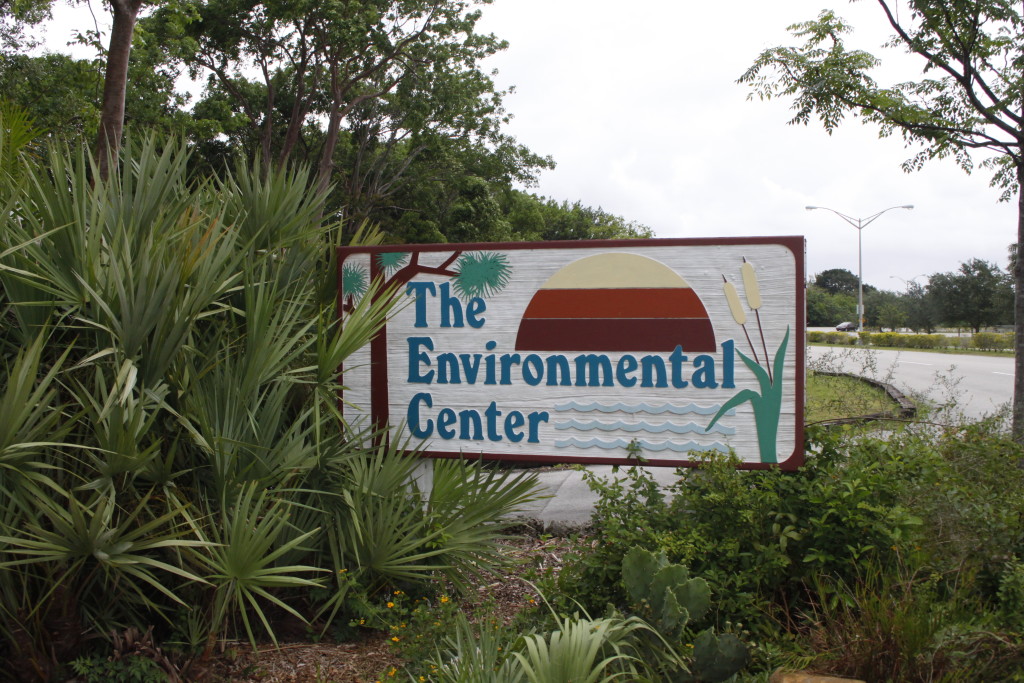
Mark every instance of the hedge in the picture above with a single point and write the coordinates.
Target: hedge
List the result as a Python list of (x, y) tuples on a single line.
[(983, 341)]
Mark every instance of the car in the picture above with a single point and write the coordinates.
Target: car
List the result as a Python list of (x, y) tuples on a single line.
[(846, 327)]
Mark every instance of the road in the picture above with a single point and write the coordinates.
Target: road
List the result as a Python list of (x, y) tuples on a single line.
[(978, 384)]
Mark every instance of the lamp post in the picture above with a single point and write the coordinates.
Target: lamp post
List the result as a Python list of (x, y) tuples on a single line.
[(860, 224)]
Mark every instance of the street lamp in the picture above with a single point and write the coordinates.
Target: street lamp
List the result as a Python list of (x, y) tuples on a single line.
[(860, 224)]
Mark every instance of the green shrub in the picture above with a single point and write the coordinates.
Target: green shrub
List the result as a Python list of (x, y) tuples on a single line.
[(992, 341), (172, 447), (902, 625), (131, 669), (753, 536), (926, 341), (841, 338)]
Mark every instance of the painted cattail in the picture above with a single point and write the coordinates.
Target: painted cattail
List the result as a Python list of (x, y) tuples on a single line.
[(750, 286), (753, 291), (735, 306)]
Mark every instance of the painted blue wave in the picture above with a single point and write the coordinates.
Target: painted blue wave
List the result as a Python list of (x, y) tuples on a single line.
[(645, 445), (642, 408), (689, 428)]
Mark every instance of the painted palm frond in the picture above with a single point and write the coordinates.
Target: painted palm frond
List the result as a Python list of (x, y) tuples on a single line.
[(482, 274), (391, 261), (354, 280)]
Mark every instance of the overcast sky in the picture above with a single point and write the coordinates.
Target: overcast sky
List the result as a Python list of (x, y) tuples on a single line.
[(639, 106)]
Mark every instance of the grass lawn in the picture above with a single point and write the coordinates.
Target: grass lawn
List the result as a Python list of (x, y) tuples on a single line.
[(835, 398)]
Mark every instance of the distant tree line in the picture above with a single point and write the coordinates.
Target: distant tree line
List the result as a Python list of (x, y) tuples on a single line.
[(977, 295)]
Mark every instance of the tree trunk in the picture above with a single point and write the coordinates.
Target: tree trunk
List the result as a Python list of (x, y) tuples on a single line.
[(115, 83), (1018, 316), (326, 167)]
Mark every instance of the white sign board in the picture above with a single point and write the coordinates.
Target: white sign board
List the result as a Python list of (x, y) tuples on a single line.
[(597, 352)]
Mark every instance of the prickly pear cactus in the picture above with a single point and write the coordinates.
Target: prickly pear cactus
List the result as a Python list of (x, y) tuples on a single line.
[(664, 592), (669, 599), (716, 658)]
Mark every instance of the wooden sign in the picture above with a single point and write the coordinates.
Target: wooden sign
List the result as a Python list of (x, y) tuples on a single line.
[(615, 352)]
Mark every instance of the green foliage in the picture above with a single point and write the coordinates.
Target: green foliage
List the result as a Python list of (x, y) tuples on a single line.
[(473, 655), (171, 446), (839, 281), (899, 625), (982, 341), (967, 100), (582, 649), (415, 625), (978, 295), (663, 593), (894, 552), (825, 309), (753, 536), (577, 648), (134, 669), (540, 218), (840, 397), (666, 596)]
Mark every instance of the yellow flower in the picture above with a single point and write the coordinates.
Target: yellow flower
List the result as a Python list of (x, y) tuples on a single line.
[(392, 672), (444, 599), (395, 639), (390, 605), (398, 592)]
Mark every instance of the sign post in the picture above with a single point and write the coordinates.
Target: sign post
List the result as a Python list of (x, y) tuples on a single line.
[(611, 352)]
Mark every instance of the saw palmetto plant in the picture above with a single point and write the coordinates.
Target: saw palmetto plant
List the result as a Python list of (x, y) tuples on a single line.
[(171, 446)]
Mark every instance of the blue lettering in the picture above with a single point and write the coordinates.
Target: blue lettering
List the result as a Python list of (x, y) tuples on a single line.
[(626, 365), (728, 364), (475, 307), (413, 416), (416, 357), (704, 372), (533, 369), (419, 290), (450, 304)]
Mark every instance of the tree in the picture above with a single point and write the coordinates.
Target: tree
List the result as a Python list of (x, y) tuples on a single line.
[(826, 309), (17, 15), (970, 97), (883, 309), (61, 94), (385, 98), (975, 295), (920, 308), (115, 81), (14, 17), (839, 281)]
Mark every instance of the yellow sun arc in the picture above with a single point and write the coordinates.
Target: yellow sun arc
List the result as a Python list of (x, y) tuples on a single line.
[(615, 270)]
